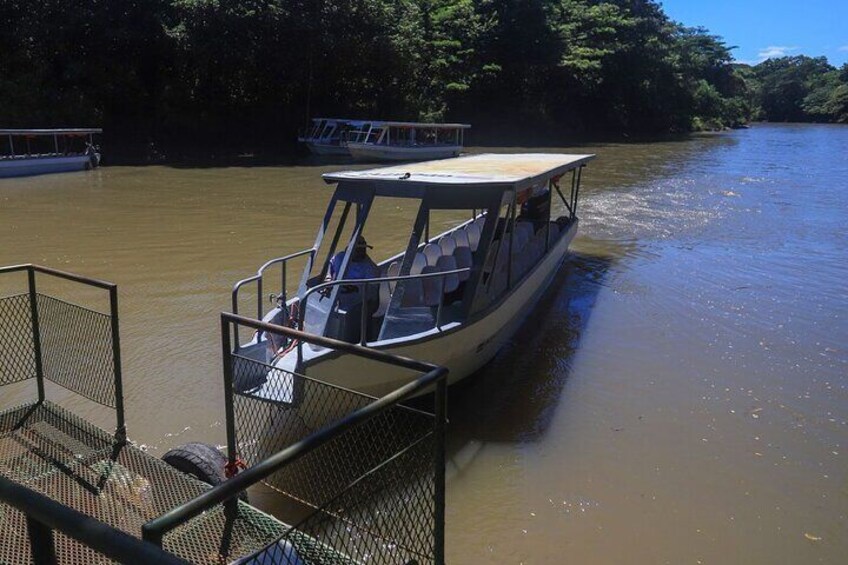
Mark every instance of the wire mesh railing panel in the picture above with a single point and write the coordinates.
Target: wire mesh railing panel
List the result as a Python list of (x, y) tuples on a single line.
[(215, 538), (373, 485), (265, 426), (76, 349), (17, 349), (384, 517)]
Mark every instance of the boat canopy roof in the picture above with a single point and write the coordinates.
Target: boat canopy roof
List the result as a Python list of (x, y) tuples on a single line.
[(518, 170), (421, 125), (384, 123), (341, 120), (59, 131)]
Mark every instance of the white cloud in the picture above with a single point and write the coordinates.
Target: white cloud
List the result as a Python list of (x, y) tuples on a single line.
[(773, 51), (843, 48)]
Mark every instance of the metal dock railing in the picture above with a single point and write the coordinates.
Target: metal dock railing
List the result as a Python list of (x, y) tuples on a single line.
[(370, 470)]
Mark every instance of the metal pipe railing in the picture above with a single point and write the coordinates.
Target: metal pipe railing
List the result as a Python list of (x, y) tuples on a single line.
[(112, 288), (45, 515), (363, 284), (57, 273), (154, 530), (258, 279)]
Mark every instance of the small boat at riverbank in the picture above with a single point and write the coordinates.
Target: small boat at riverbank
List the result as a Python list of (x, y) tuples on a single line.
[(40, 151), (453, 298), (406, 141)]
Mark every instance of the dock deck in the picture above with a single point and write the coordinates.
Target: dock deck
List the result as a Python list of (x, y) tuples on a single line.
[(372, 473), (56, 453)]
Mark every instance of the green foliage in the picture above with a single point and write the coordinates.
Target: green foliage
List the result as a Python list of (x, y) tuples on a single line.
[(224, 76), (801, 89)]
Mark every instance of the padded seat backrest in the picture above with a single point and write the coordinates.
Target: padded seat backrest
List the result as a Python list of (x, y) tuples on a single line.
[(432, 252), (448, 263), (554, 232), (386, 289), (522, 235), (473, 233), (460, 236), (447, 244), (413, 293), (463, 258), (393, 271), (432, 287), (537, 246), (462, 253), (418, 264)]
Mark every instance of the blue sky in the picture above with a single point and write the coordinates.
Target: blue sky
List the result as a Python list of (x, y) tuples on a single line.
[(762, 29)]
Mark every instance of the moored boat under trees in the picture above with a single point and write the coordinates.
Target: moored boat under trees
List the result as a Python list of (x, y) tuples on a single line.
[(39, 151), (327, 136), (406, 141), (378, 140)]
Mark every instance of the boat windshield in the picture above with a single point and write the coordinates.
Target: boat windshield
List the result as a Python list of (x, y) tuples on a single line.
[(428, 284)]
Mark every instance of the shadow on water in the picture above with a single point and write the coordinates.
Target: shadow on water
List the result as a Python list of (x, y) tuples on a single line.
[(513, 398)]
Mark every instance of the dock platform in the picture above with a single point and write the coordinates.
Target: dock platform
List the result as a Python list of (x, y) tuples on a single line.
[(370, 504)]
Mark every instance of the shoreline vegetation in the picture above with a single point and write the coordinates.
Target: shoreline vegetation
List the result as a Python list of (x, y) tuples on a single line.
[(188, 80)]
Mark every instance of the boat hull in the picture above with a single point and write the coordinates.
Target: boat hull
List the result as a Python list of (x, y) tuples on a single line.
[(43, 165), (462, 350), (371, 152), (323, 149)]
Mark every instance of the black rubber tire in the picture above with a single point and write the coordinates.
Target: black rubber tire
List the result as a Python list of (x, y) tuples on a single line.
[(202, 461)]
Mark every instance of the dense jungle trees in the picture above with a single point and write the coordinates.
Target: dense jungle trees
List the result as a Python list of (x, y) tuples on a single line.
[(219, 77)]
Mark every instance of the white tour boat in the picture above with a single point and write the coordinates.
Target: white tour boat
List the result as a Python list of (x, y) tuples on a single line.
[(39, 151), (328, 136), (452, 299), (406, 141)]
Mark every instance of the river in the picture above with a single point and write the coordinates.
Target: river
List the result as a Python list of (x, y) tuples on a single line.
[(680, 395)]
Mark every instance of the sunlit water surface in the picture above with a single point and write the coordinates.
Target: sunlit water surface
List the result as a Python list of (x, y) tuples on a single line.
[(680, 395)]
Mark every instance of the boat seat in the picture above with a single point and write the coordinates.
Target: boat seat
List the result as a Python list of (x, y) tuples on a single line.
[(432, 287), (418, 264), (432, 252), (448, 263), (554, 234), (393, 271), (447, 244), (386, 289), (537, 246), (460, 236), (462, 254), (524, 229), (473, 232), (413, 293)]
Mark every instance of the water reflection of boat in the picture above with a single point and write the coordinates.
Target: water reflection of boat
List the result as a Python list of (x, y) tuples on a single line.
[(452, 299), (39, 151)]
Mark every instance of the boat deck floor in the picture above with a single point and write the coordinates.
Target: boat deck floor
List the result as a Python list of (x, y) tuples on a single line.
[(60, 455)]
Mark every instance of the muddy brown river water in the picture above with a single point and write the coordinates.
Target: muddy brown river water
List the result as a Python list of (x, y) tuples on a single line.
[(680, 395)]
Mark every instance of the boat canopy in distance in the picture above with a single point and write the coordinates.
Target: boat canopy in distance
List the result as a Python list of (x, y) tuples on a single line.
[(421, 125), (60, 131), (518, 170)]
